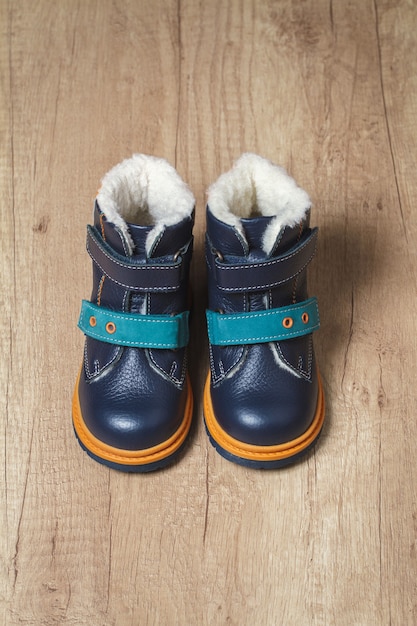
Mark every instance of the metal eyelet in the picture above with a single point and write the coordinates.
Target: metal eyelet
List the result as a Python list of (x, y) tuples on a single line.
[(93, 321), (287, 322), (305, 317), (111, 328), (218, 255)]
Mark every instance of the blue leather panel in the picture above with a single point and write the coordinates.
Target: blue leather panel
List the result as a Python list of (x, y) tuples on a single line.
[(260, 275), (134, 274), (262, 403), (129, 406)]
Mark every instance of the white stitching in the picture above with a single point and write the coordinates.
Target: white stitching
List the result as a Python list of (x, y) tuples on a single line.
[(306, 331), (178, 382), (267, 285), (132, 318), (130, 266), (124, 342), (263, 264), (90, 375), (282, 311), (268, 337), (184, 368), (134, 287), (304, 374), (213, 365), (149, 351)]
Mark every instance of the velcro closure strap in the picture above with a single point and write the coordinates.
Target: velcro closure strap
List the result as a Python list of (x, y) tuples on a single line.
[(263, 326), (137, 331), (262, 275), (152, 277)]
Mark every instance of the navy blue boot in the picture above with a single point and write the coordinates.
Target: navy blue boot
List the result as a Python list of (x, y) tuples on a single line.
[(263, 400), (132, 405)]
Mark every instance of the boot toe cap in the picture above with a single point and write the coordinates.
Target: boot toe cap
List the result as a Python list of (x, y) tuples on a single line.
[(131, 410), (265, 422)]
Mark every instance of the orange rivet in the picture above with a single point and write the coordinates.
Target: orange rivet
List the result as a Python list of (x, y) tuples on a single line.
[(305, 318), (287, 322), (111, 327), (93, 321)]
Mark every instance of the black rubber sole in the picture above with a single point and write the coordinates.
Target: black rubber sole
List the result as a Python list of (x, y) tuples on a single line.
[(262, 465), (136, 469)]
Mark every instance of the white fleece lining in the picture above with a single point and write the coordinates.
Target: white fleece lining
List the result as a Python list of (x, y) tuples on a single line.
[(256, 186), (144, 190)]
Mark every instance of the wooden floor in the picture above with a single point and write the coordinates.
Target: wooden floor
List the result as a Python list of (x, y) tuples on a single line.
[(327, 89)]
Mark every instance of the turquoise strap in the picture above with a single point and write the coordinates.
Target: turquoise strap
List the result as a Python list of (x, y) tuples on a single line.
[(138, 331), (263, 326)]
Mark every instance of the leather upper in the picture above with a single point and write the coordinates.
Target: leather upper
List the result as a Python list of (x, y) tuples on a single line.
[(133, 398), (262, 393)]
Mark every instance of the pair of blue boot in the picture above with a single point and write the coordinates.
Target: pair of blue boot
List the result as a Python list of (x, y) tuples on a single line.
[(263, 399)]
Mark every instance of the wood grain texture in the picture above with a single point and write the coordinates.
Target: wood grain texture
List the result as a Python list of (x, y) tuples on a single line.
[(329, 90)]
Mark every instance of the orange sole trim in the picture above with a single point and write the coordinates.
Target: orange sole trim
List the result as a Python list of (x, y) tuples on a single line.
[(131, 457), (253, 452)]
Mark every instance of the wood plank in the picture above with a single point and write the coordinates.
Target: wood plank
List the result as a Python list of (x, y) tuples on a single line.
[(326, 89), (7, 283), (398, 52)]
